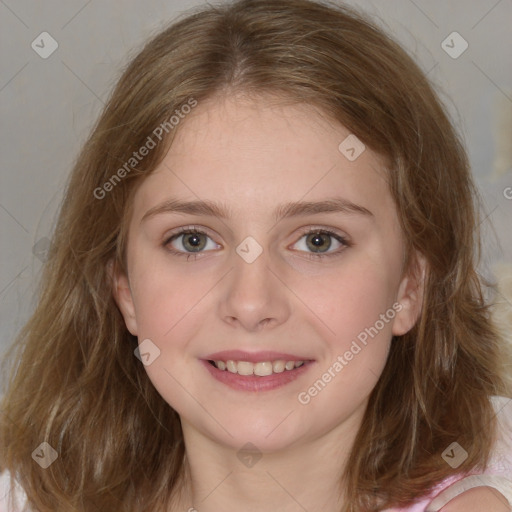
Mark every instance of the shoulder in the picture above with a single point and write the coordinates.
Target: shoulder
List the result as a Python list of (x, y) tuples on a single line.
[(478, 499), (492, 488), (10, 502)]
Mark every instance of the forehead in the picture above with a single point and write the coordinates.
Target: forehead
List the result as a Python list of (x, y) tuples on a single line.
[(256, 152)]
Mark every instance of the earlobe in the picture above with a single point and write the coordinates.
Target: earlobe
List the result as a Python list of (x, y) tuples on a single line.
[(410, 296), (123, 296)]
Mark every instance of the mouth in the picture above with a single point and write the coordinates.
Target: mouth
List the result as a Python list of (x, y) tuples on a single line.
[(261, 371)]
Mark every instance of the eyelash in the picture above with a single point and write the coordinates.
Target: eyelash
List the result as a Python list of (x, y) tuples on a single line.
[(313, 256)]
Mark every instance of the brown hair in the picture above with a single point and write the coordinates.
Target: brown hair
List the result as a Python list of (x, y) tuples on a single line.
[(76, 383)]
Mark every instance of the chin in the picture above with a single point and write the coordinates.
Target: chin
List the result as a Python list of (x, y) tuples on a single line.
[(267, 435)]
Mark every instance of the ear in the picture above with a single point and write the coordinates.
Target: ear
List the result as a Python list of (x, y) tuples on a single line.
[(123, 296), (410, 296)]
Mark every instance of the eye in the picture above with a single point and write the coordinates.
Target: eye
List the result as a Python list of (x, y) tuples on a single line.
[(319, 241), (188, 241)]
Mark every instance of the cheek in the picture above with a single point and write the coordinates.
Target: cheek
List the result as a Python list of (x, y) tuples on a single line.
[(358, 308), (351, 299), (167, 308), (162, 296)]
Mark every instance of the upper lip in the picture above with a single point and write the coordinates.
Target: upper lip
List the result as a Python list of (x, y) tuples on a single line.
[(253, 357)]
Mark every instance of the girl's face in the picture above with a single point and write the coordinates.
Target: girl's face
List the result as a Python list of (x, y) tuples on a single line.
[(297, 256)]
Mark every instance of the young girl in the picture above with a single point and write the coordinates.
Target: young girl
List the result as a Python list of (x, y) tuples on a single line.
[(262, 291)]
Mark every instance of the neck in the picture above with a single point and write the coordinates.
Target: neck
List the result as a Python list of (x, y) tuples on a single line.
[(304, 476)]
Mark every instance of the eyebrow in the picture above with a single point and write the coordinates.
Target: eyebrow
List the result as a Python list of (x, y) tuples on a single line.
[(286, 210)]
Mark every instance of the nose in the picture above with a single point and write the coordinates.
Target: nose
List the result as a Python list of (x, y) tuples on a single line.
[(254, 296)]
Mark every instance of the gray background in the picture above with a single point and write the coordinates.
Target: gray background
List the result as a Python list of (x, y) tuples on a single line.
[(49, 105)]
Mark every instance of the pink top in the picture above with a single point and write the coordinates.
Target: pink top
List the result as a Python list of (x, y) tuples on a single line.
[(498, 474)]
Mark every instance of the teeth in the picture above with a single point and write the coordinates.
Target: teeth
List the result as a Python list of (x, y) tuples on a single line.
[(278, 366), (245, 368), (261, 369), (290, 365)]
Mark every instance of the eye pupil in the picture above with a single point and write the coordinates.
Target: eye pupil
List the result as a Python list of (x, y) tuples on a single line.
[(318, 240), (194, 241)]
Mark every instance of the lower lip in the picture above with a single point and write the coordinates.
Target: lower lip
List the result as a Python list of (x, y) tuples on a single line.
[(253, 382)]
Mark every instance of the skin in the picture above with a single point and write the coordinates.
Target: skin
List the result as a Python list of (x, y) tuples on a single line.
[(253, 155), (479, 498)]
